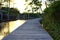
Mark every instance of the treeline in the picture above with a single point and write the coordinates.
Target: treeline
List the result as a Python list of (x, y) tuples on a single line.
[(29, 15), (7, 14), (10, 14)]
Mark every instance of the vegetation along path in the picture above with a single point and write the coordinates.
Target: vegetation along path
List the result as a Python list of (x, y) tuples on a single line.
[(31, 30)]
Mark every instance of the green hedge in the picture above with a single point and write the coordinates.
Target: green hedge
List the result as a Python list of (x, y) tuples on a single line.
[(13, 13), (51, 20), (30, 15)]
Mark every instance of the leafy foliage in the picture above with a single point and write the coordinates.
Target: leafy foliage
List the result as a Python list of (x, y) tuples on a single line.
[(51, 20), (37, 4), (9, 12), (32, 15)]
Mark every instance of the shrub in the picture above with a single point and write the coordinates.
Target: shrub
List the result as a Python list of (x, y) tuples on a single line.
[(13, 13), (51, 20), (30, 15)]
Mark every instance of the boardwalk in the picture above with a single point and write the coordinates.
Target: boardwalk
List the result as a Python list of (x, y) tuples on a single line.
[(31, 30)]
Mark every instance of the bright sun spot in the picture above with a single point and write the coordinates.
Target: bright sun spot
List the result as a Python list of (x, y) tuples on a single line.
[(19, 4)]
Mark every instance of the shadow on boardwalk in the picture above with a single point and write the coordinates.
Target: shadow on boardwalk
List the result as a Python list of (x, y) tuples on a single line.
[(31, 30)]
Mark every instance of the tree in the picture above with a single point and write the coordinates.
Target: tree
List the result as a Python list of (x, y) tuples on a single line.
[(36, 3), (49, 2)]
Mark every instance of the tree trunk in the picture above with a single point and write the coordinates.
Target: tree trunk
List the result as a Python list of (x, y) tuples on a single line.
[(40, 9), (46, 4)]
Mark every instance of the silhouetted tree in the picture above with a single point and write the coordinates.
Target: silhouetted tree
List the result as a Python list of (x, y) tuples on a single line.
[(37, 3)]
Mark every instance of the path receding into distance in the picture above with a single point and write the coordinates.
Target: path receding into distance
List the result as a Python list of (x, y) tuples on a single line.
[(31, 30)]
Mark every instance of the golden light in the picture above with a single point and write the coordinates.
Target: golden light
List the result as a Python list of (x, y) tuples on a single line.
[(15, 24), (43, 4), (19, 4)]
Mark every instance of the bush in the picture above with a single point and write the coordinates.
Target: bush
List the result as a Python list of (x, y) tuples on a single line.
[(51, 20), (13, 13), (30, 15)]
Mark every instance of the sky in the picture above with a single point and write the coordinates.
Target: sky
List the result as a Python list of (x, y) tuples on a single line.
[(21, 5)]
